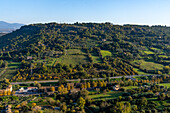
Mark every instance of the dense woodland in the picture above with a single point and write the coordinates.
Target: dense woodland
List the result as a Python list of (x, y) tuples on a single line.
[(100, 50)]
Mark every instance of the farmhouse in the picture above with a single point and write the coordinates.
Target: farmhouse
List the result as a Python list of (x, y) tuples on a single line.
[(28, 89)]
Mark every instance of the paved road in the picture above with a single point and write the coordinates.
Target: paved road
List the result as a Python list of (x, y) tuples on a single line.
[(71, 80)]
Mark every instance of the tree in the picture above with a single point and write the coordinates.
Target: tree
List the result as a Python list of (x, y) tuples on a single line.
[(16, 111), (143, 101), (162, 96), (123, 78), (100, 84), (9, 92), (104, 92), (104, 84), (84, 93), (82, 86), (130, 98), (119, 107), (65, 91), (88, 85), (64, 107), (59, 89), (81, 102), (94, 84), (127, 108), (134, 107), (33, 104), (120, 98), (52, 89), (166, 69), (68, 87), (38, 85)]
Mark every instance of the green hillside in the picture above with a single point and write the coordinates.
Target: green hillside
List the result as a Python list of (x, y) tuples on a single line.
[(84, 50)]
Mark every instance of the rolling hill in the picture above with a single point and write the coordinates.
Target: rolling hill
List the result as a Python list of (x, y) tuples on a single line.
[(87, 50)]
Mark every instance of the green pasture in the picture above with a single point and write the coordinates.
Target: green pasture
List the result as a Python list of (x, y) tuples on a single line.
[(106, 53), (108, 95), (96, 59), (149, 52), (140, 72), (148, 65), (162, 56), (74, 51), (165, 84), (72, 59), (130, 87)]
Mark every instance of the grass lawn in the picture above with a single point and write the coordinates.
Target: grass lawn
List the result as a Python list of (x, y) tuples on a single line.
[(165, 84), (73, 59), (106, 53), (130, 87), (108, 95)]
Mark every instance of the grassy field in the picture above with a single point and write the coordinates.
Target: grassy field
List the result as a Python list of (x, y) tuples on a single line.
[(72, 59), (96, 59), (140, 72), (14, 64), (147, 65), (11, 70), (148, 52), (130, 87), (168, 61), (8, 74), (74, 51), (155, 49), (165, 84), (49, 62), (108, 95), (162, 56), (106, 53)]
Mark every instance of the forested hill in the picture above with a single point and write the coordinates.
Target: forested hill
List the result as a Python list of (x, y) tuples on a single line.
[(144, 48), (106, 36)]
